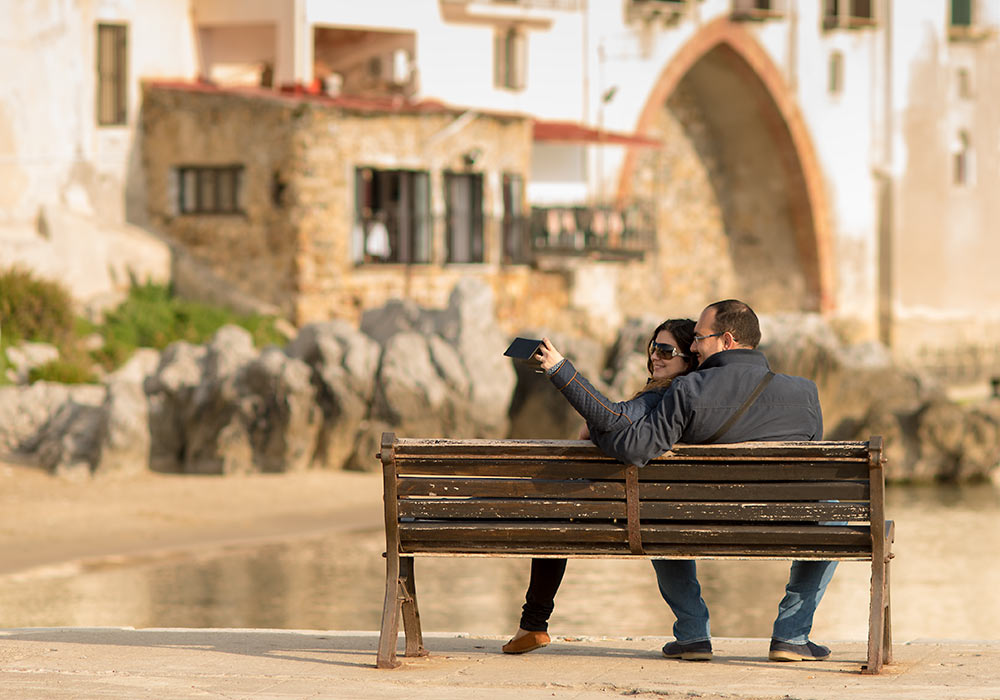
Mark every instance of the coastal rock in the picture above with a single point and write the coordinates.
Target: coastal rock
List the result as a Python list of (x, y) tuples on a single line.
[(413, 394), (169, 392), (216, 437), (27, 356), (538, 410), (123, 430), (24, 410), (283, 417), (68, 444), (469, 324), (442, 371), (851, 379), (344, 363), (367, 445)]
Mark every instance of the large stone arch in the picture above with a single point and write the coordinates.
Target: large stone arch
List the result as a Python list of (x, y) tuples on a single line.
[(747, 105)]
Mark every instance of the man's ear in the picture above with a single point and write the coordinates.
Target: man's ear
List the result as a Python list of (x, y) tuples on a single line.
[(728, 341)]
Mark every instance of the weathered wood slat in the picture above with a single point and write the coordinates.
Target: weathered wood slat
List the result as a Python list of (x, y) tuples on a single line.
[(760, 512), (520, 488), (409, 487), (419, 533), (494, 509), (556, 470), (664, 551), (584, 449)]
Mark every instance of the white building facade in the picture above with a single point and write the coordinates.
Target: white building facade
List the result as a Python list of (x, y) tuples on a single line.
[(836, 156)]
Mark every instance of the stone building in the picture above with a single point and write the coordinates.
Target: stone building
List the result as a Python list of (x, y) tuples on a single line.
[(588, 158)]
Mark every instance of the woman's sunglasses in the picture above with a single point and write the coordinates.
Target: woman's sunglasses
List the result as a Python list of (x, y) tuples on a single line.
[(664, 350)]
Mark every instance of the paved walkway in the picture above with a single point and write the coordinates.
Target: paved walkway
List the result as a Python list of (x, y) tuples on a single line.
[(82, 663)]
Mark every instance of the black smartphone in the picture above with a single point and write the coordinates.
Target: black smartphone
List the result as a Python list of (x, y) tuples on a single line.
[(523, 350)]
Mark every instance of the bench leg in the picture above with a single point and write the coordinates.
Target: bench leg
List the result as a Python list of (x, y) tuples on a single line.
[(390, 614), (876, 617), (411, 614), (887, 632)]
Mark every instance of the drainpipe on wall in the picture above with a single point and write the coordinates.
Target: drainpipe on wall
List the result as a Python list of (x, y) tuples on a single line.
[(793, 47), (884, 174)]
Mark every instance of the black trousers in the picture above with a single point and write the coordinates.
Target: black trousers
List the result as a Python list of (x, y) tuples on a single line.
[(539, 601)]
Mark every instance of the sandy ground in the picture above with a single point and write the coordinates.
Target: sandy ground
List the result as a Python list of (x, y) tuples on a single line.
[(46, 520)]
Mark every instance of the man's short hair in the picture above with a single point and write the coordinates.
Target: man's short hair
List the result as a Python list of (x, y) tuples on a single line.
[(738, 319)]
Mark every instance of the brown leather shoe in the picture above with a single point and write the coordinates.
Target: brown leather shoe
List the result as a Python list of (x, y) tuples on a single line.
[(529, 642)]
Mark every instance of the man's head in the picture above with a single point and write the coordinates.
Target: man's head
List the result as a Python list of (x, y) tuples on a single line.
[(725, 325)]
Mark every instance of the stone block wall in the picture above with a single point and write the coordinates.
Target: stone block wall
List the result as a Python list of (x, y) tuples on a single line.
[(256, 250), (291, 245)]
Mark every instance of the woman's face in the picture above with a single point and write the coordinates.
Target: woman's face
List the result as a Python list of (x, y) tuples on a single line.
[(665, 366)]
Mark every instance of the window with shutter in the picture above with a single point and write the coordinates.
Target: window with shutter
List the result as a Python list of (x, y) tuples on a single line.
[(112, 74)]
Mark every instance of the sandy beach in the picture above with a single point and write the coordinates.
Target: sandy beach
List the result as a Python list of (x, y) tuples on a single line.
[(47, 520)]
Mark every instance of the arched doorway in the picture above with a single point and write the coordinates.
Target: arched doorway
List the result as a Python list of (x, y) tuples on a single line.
[(741, 210)]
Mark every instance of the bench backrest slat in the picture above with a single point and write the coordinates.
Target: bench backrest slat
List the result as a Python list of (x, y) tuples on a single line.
[(655, 471), (487, 509), (585, 488)]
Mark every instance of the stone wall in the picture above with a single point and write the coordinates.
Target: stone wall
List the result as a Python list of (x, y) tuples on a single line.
[(254, 251)]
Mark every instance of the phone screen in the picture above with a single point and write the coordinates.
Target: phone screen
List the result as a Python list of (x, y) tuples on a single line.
[(522, 348)]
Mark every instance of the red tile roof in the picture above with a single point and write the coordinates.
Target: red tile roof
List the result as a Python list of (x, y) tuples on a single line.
[(577, 133)]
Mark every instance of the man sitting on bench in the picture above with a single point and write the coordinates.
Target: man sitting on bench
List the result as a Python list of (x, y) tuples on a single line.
[(732, 397)]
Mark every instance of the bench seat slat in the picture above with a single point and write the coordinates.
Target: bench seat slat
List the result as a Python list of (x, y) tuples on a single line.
[(547, 509), (583, 488), (552, 469)]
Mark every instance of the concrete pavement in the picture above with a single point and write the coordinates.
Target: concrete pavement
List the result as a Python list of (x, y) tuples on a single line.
[(143, 664)]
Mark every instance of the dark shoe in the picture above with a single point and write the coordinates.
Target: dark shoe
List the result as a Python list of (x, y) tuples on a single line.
[(529, 642), (695, 651), (783, 651)]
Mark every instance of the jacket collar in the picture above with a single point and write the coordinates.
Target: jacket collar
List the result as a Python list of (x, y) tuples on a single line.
[(737, 356)]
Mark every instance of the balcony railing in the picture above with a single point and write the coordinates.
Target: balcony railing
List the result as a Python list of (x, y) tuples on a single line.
[(568, 5), (600, 231)]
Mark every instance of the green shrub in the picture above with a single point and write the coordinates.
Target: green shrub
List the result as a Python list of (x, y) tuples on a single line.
[(34, 309), (70, 371), (153, 317)]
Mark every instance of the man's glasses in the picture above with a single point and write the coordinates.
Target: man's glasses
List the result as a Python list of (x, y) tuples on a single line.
[(699, 338), (664, 350)]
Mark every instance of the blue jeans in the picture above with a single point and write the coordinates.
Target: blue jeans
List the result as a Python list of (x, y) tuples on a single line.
[(807, 581)]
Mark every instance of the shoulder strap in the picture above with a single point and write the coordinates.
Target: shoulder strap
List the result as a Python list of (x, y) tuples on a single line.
[(741, 410)]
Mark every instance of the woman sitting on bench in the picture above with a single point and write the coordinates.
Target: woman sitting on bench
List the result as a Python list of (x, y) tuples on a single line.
[(668, 355)]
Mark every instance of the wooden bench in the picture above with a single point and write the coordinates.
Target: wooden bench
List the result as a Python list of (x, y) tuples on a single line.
[(564, 498)]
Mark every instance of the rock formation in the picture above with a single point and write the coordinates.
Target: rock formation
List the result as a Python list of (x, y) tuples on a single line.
[(324, 400)]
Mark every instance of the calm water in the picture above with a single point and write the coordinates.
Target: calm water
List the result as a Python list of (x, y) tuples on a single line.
[(944, 581)]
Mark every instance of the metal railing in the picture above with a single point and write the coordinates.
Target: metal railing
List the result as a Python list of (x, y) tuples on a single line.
[(604, 232), (568, 5)]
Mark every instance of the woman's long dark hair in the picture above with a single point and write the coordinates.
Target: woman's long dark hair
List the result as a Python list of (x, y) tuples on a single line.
[(683, 331)]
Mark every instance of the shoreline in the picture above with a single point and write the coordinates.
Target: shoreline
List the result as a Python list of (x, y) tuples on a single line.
[(51, 522)]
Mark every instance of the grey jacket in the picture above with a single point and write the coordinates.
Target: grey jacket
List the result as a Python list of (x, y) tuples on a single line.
[(697, 404)]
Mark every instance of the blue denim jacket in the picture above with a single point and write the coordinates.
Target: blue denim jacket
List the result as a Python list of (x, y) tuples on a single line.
[(600, 412), (697, 404)]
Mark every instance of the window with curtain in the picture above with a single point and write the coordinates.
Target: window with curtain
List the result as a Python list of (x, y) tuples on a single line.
[(464, 213), (392, 222)]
